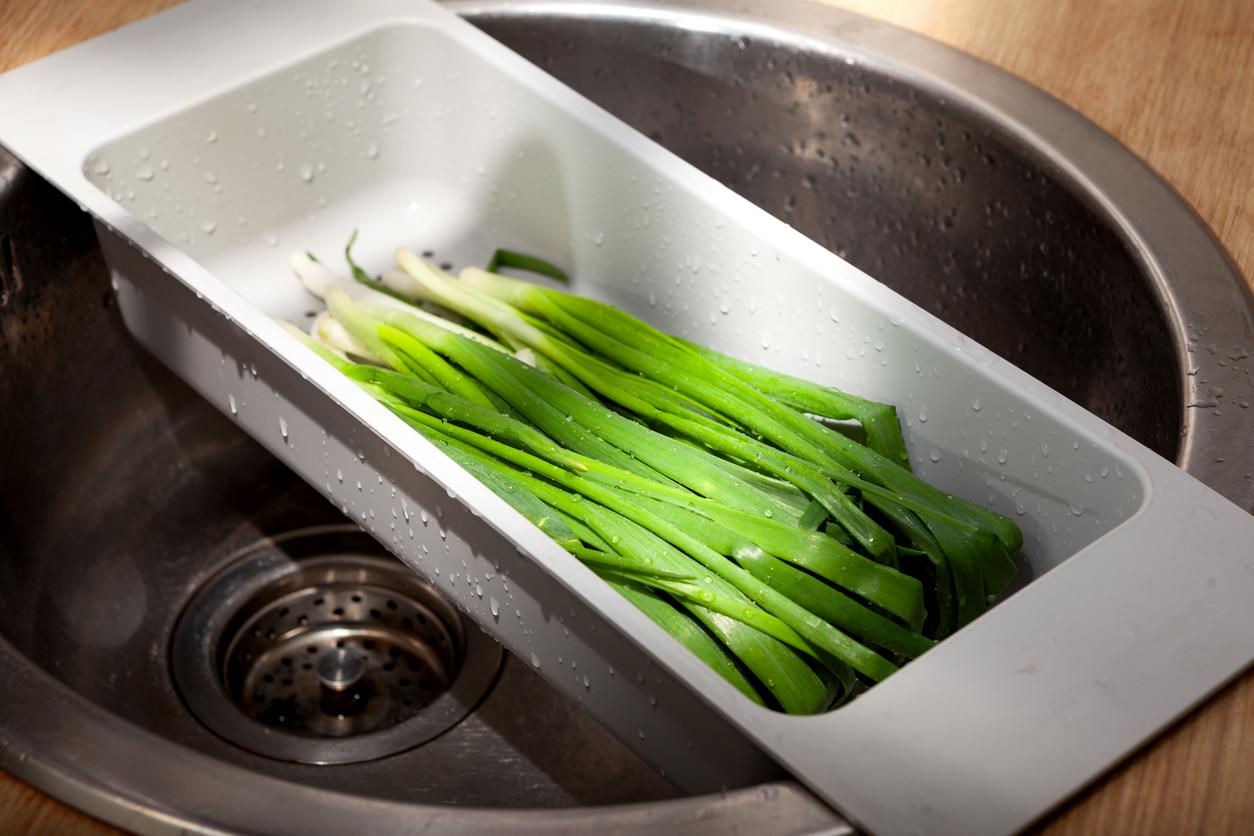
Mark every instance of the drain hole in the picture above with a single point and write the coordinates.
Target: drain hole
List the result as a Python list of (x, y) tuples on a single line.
[(317, 654), (351, 689)]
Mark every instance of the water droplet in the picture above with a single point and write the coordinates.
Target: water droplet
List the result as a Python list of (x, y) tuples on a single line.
[(209, 227), (598, 238), (230, 399), (283, 428), (1002, 456), (211, 137), (922, 416), (271, 239), (535, 660), (145, 172), (372, 151), (101, 167), (306, 172), (934, 456), (976, 406)]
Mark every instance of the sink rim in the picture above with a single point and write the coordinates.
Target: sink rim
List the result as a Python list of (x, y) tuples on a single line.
[(1197, 285)]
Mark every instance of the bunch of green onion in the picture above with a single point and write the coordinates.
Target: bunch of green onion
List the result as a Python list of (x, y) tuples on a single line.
[(721, 498)]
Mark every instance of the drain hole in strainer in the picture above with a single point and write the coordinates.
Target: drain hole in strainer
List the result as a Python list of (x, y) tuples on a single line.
[(318, 647)]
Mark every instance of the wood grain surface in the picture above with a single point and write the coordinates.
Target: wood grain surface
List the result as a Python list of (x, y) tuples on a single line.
[(1172, 80)]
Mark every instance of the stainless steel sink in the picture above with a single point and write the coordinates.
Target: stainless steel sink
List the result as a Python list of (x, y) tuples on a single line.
[(145, 541)]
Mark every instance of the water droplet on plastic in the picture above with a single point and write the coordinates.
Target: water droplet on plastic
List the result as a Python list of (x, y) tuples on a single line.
[(211, 137), (230, 399), (306, 172), (145, 172)]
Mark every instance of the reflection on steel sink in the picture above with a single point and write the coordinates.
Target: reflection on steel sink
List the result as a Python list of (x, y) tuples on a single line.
[(122, 494)]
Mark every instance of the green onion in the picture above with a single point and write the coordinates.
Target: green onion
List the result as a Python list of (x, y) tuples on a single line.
[(521, 261), (797, 562)]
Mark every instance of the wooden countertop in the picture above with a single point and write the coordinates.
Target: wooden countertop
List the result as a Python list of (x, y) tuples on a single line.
[(1172, 80)]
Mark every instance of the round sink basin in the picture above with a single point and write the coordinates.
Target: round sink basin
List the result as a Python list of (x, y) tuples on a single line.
[(177, 656)]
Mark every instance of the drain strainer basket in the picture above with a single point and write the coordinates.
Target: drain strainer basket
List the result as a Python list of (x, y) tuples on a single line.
[(317, 647)]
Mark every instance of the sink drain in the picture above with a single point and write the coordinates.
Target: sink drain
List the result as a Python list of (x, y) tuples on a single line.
[(317, 647)]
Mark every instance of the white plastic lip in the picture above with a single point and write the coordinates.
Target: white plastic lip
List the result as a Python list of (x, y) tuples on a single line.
[(1021, 708)]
